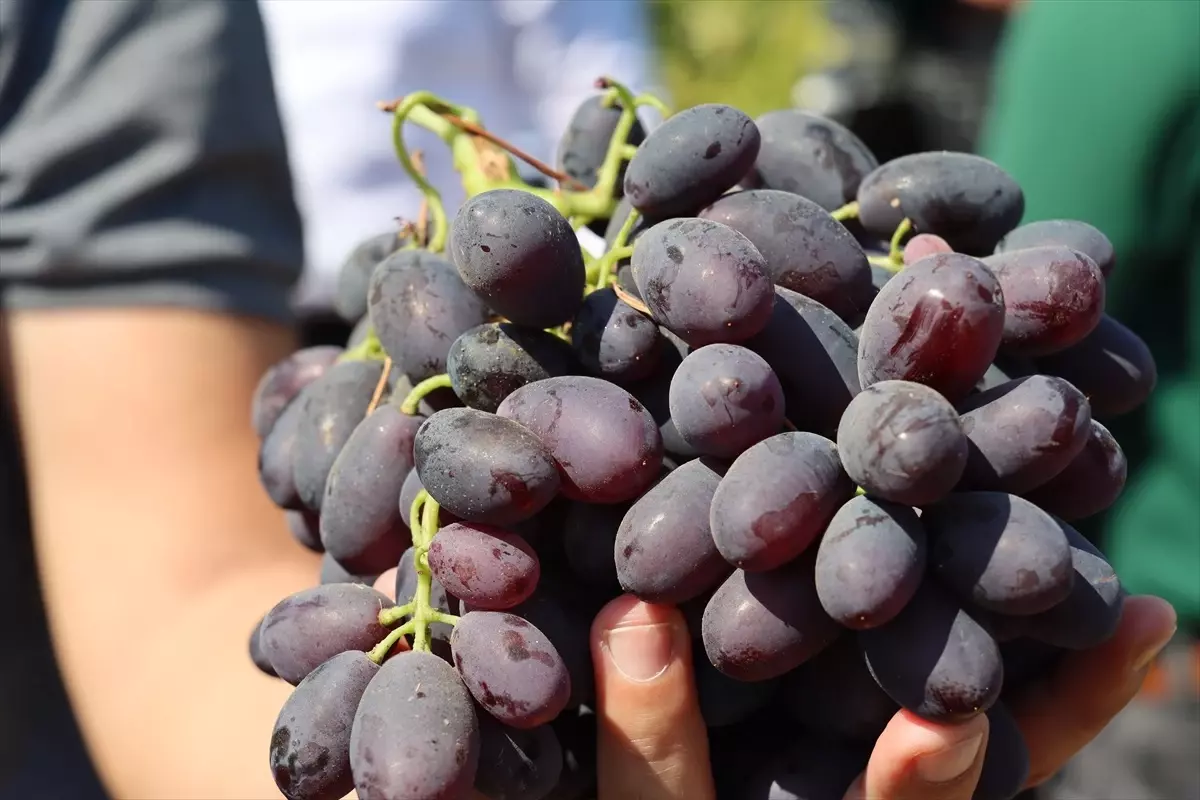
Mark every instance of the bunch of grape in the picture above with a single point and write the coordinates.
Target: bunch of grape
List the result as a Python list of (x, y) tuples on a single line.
[(841, 413)]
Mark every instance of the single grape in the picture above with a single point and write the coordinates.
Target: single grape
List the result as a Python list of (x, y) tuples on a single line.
[(488, 567), (1065, 232), (724, 700), (520, 256), (310, 745), (902, 441), (489, 362), (281, 383), (870, 562), (939, 323), (511, 668), (776, 499), (277, 460), (415, 736), (1005, 760), (354, 277), (585, 143), (655, 394), (305, 527), (333, 572), (691, 159), (484, 468), (606, 444), (1090, 483), (613, 340), (517, 764), (1112, 366), (922, 245), (309, 627), (833, 695), (809, 768), (934, 659), (999, 552), (589, 538), (567, 629), (703, 280), (256, 652)]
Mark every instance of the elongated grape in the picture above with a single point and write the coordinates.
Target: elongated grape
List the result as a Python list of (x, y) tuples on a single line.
[(903, 442), (1053, 297), (333, 572), (309, 627), (759, 625), (703, 280), (724, 700), (256, 652), (691, 159), (1070, 233), (938, 322), (409, 490), (281, 383), (870, 562), (361, 523), (804, 248), (810, 768), (811, 156), (486, 566), (567, 629), (585, 142), (655, 394), (415, 736), (1090, 483), (1112, 366), (517, 764), (776, 499), (484, 468), (589, 539), (967, 200), (606, 444), (934, 659), (664, 549), (1091, 612), (310, 746), (924, 244), (419, 305), (613, 340), (520, 255), (354, 277), (1023, 433), (999, 552), (833, 695), (511, 668), (305, 528), (1005, 760), (277, 460), (489, 362)]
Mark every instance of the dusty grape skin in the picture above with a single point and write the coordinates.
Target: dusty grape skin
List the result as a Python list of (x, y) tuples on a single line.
[(759, 625), (309, 627), (277, 460), (967, 200), (1090, 483), (330, 409), (517, 764), (585, 142), (809, 155), (415, 736), (1091, 613), (776, 499), (511, 668), (305, 527), (419, 305), (1067, 233), (567, 629), (281, 383), (613, 340), (354, 276), (664, 550), (724, 700), (310, 745), (484, 468), (1005, 759), (704, 281), (361, 523), (934, 659), (488, 567), (409, 490), (691, 159), (589, 539), (1053, 297), (814, 353), (924, 244), (489, 362), (833, 695), (804, 248), (999, 552), (606, 444), (1112, 366), (938, 322), (520, 256), (333, 572), (256, 652), (1023, 433), (870, 562), (903, 442)]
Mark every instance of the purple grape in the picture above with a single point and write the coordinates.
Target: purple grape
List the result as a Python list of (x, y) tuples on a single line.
[(281, 383), (256, 652), (277, 460), (305, 527), (1090, 483), (1090, 614), (1005, 760), (485, 566), (489, 362), (584, 144), (333, 572), (1111, 366), (833, 695), (517, 764), (1070, 233), (613, 340)]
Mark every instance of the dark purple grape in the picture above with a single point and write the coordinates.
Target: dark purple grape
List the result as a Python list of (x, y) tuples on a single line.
[(305, 527), (1091, 612), (306, 629), (804, 248), (415, 736), (664, 549), (924, 244), (256, 652), (568, 630), (310, 746), (584, 144), (834, 696), (517, 764), (999, 552), (938, 322), (759, 625), (870, 562), (690, 160), (606, 444), (333, 572), (724, 700), (589, 539), (935, 659), (520, 256), (1022, 433), (484, 468), (967, 200), (810, 768), (1005, 760), (776, 499), (281, 383), (703, 281), (1112, 366), (903, 442), (511, 668), (811, 156), (277, 460), (1027, 660), (655, 394), (354, 277), (1066, 233), (613, 340), (487, 567), (489, 362), (1090, 483)]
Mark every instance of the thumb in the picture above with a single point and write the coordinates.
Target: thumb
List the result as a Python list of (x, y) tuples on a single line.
[(652, 740), (918, 760)]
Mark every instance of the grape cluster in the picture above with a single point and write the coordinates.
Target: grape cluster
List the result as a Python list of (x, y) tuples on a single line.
[(841, 413)]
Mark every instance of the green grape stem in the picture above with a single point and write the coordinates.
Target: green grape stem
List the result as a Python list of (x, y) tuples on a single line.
[(619, 250), (369, 349), (390, 616), (896, 251), (423, 535), (848, 211), (419, 392), (885, 262), (380, 651)]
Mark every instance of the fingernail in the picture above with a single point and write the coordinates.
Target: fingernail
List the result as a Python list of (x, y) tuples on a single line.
[(641, 653), (946, 765), (1156, 642)]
